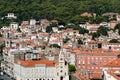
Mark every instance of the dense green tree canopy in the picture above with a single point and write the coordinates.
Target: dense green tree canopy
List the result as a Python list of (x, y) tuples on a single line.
[(76, 27), (80, 41), (102, 30), (55, 45), (71, 68), (114, 41), (117, 27), (62, 10), (66, 40), (49, 29)]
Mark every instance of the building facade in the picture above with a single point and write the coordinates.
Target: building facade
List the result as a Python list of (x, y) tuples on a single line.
[(92, 61)]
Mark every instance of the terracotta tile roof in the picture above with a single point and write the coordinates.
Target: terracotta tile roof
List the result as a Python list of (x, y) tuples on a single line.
[(92, 42), (86, 14), (54, 21), (92, 25), (81, 77), (29, 41), (96, 51), (45, 20), (84, 77), (33, 45), (95, 76), (69, 29), (65, 46), (93, 29), (76, 73), (38, 26), (79, 37), (45, 34), (114, 63), (30, 63)]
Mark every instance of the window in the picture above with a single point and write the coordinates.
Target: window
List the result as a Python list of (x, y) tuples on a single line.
[(79, 62), (83, 62), (61, 58), (40, 79), (61, 71)]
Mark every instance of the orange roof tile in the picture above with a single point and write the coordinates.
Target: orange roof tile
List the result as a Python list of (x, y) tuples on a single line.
[(114, 63), (45, 34), (93, 29), (37, 26), (96, 51), (92, 42), (81, 77), (29, 63), (33, 45), (29, 41), (65, 46), (76, 74), (95, 76)]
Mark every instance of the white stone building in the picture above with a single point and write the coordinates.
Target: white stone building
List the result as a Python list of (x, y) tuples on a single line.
[(62, 68), (11, 15), (35, 70), (41, 69), (32, 22), (14, 25)]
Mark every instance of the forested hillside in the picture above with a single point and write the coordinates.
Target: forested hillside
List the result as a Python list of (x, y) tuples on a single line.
[(56, 9)]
